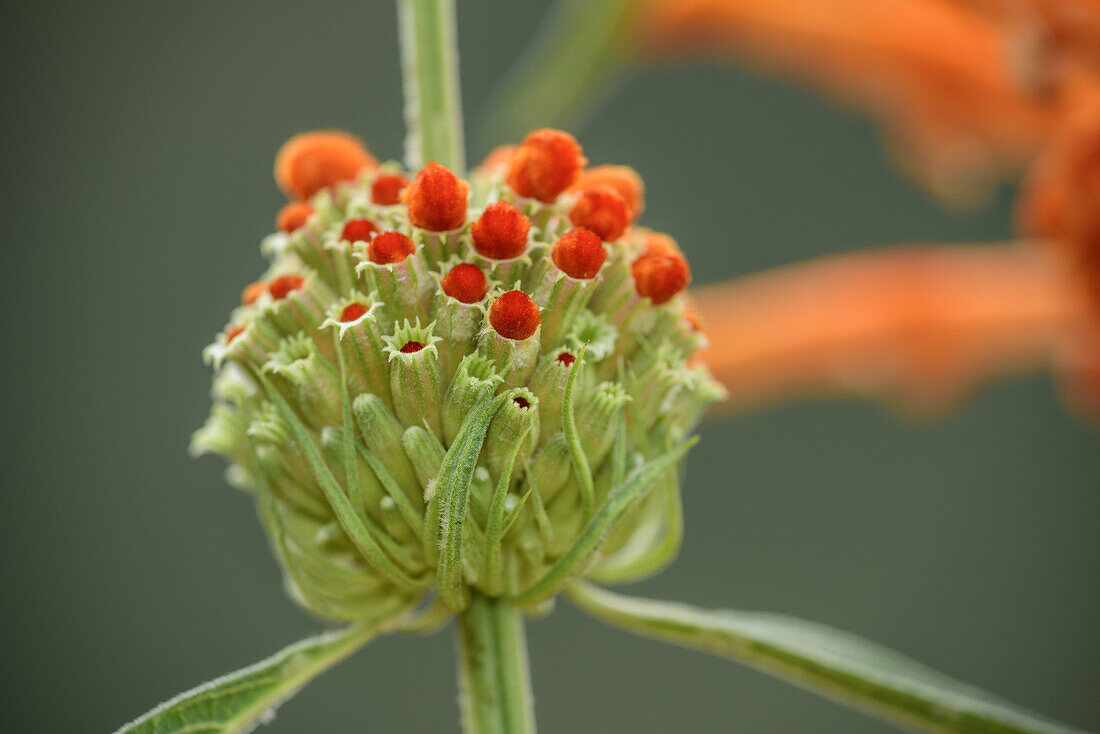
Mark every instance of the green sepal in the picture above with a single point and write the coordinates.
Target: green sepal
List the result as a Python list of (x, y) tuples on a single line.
[(476, 374), (416, 380), (512, 421), (381, 433), (425, 452), (515, 360)]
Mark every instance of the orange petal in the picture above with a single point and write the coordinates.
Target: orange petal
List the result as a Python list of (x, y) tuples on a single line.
[(938, 72), (921, 323)]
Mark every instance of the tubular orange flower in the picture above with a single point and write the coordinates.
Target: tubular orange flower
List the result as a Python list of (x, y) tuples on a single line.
[(924, 322), (315, 160), (938, 73)]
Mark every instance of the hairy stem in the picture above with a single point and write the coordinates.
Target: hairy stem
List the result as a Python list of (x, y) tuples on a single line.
[(494, 680), (433, 104)]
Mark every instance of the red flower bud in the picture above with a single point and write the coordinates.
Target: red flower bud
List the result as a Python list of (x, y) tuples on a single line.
[(604, 211), (660, 274), (390, 247), (312, 161), (351, 312), (252, 292), (498, 159), (386, 189), (283, 285), (514, 316), (437, 199), (567, 359), (410, 347), (579, 254), (293, 215), (465, 283), (545, 164), (501, 231), (624, 179), (233, 332), (358, 230)]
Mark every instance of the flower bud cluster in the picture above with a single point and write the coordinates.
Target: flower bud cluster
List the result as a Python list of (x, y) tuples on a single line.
[(440, 385)]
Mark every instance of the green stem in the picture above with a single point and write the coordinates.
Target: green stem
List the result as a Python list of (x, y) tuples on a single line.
[(493, 674), (433, 104)]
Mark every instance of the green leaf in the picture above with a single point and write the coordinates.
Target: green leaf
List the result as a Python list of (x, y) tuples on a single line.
[(822, 659), (618, 501), (235, 702)]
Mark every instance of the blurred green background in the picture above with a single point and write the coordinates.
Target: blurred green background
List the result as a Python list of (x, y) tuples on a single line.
[(138, 140)]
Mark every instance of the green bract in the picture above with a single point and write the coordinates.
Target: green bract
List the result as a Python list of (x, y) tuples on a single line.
[(397, 444)]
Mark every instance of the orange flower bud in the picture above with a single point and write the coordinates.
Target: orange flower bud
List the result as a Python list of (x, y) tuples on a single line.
[(624, 179), (410, 347), (501, 231), (311, 161), (283, 285), (252, 292), (358, 230), (514, 315), (233, 332), (602, 210), (386, 189), (465, 283), (660, 274), (390, 247), (437, 199), (545, 164), (498, 159), (579, 254), (351, 312), (292, 216)]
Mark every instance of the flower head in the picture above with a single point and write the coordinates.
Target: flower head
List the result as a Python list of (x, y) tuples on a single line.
[(395, 341)]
